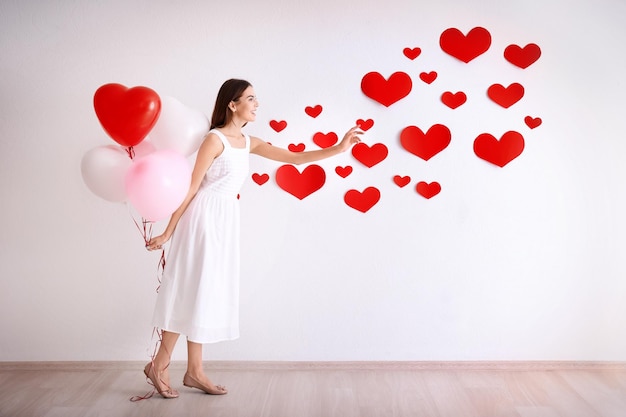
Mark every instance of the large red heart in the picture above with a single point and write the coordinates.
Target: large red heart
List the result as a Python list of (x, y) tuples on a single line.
[(126, 114), (299, 184), (506, 96), (522, 57), (386, 92), (499, 152), (369, 156), (453, 100), (425, 145), (362, 201), (325, 140), (427, 190), (465, 48), (278, 125)]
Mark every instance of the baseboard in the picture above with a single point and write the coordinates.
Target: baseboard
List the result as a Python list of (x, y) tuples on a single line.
[(326, 365)]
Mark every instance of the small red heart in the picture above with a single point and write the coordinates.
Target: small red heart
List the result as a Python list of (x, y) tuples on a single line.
[(532, 122), (506, 96), (427, 190), (453, 100), (126, 114), (522, 57), (325, 140), (412, 53), (296, 148), (362, 201), (499, 152), (300, 185), (386, 92), (465, 48), (401, 181), (370, 156), (428, 77), (425, 145), (365, 125), (343, 172), (313, 111), (260, 178), (278, 125)]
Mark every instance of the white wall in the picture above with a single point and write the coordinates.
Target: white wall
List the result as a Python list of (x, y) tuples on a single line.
[(519, 263)]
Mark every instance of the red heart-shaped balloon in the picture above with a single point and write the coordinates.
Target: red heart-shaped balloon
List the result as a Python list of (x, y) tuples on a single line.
[(384, 91), (325, 140), (126, 114), (506, 96), (278, 126), (425, 145), (369, 156), (499, 152), (428, 190), (522, 57), (300, 184), (453, 100), (465, 48), (362, 201)]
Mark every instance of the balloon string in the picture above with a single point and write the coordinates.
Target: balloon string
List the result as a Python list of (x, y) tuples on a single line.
[(131, 152)]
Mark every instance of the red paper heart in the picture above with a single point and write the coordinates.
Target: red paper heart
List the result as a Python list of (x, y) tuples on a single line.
[(278, 125), (343, 172), (506, 96), (370, 156), (362, 201), (425, 145), (532, 122), (365, 125), (453, 100), (260, 178), (465, 48), (299, 184), (499, 152), (522, 57), (386, 92), (412, 53), (428, 77), (427, 190), (325, 140), (401, 181), (126, 114), (313, 111), (296, 148)]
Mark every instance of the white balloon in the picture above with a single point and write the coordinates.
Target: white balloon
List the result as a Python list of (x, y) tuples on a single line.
[(104, 171), (178, 127)]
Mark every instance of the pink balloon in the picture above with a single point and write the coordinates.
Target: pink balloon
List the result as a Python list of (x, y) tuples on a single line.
[(157, 184), (104, 170)]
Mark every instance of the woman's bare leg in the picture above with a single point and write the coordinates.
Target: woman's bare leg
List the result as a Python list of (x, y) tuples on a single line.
[(195, 376)]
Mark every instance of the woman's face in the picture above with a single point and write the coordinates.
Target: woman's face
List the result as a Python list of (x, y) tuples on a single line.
[(245, 107)]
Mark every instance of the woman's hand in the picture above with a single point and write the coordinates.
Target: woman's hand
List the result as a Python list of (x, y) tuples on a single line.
[(350, 138), (157, 242)]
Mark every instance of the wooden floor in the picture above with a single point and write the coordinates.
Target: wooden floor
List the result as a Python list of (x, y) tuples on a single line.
[(324, 391)]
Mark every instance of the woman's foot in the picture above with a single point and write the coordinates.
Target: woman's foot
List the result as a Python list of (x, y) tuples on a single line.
[(160, 381), (204, 384)]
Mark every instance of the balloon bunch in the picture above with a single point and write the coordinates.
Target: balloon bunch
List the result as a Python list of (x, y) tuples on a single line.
[(148, 167)]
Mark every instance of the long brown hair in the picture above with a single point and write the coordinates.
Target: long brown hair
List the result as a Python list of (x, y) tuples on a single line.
[(231, 90)]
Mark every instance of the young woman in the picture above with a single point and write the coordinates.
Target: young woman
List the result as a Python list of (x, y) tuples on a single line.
[(199, 293)]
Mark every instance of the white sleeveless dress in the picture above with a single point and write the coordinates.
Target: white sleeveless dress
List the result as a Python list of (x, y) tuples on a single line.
[(199, 293)]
